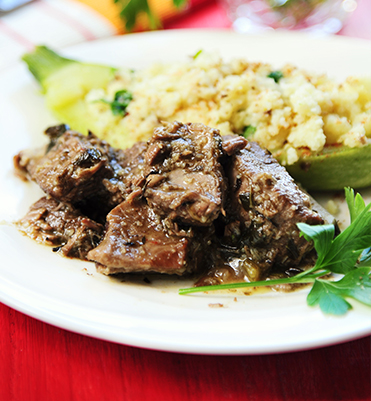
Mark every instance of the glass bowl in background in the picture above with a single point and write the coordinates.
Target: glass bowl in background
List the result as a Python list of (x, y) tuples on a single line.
[(318, 16)]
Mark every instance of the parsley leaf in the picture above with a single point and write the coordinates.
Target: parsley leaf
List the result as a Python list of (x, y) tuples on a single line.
[(120, 102), (276, 75), (341, 254), (131, 9), (356, 284), (330, 295), (322, 237), (326, 296), (349, 245), (365, 258), (355, 203), (249, 131), (179, 3)]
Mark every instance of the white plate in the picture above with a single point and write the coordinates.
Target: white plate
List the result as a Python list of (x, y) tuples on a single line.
[(70, 294)]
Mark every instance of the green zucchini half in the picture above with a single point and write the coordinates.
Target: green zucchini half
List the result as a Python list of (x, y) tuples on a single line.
[(334, 168)]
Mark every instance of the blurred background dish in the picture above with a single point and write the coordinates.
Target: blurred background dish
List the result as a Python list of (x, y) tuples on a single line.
[(319, 16), (60, 23)]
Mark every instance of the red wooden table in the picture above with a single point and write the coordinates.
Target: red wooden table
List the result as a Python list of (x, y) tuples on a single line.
[(41, 362)]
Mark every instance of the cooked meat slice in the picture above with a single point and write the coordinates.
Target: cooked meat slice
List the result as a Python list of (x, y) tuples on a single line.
[(184, 178), (187, 198), (130, 174), (26, 161), (265, 205), (83, 170), (136, 241), (54, 223), (72, 169)]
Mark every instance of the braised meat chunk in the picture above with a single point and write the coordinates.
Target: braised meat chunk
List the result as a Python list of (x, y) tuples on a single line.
[(128, 175), (72, 167), (265, 205), (184, 179), (136, 241), (188, 200), (82, 170), (65, 228)]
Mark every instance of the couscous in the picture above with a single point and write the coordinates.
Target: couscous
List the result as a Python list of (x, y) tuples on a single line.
[(283, 110)]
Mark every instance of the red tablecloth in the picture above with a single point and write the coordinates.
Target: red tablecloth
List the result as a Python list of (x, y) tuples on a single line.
[(40, 362)]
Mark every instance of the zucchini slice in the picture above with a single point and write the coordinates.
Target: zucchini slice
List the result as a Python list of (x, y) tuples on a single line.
[(65, 83), (334, 168)]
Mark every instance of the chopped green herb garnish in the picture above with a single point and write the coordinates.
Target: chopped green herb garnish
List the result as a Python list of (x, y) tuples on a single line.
[(120, 102), (276, 75), (249, 131), (197, 54), (348, 254)]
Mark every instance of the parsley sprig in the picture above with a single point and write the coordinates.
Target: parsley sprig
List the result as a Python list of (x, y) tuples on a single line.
[(348, 254), (131, 9)]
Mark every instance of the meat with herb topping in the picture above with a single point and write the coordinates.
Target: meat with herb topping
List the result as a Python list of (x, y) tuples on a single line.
[(137, 241), (184, 176), (265, 205), (186, 200)]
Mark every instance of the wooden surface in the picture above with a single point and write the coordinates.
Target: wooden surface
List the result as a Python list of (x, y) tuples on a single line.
[(41, 362)]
